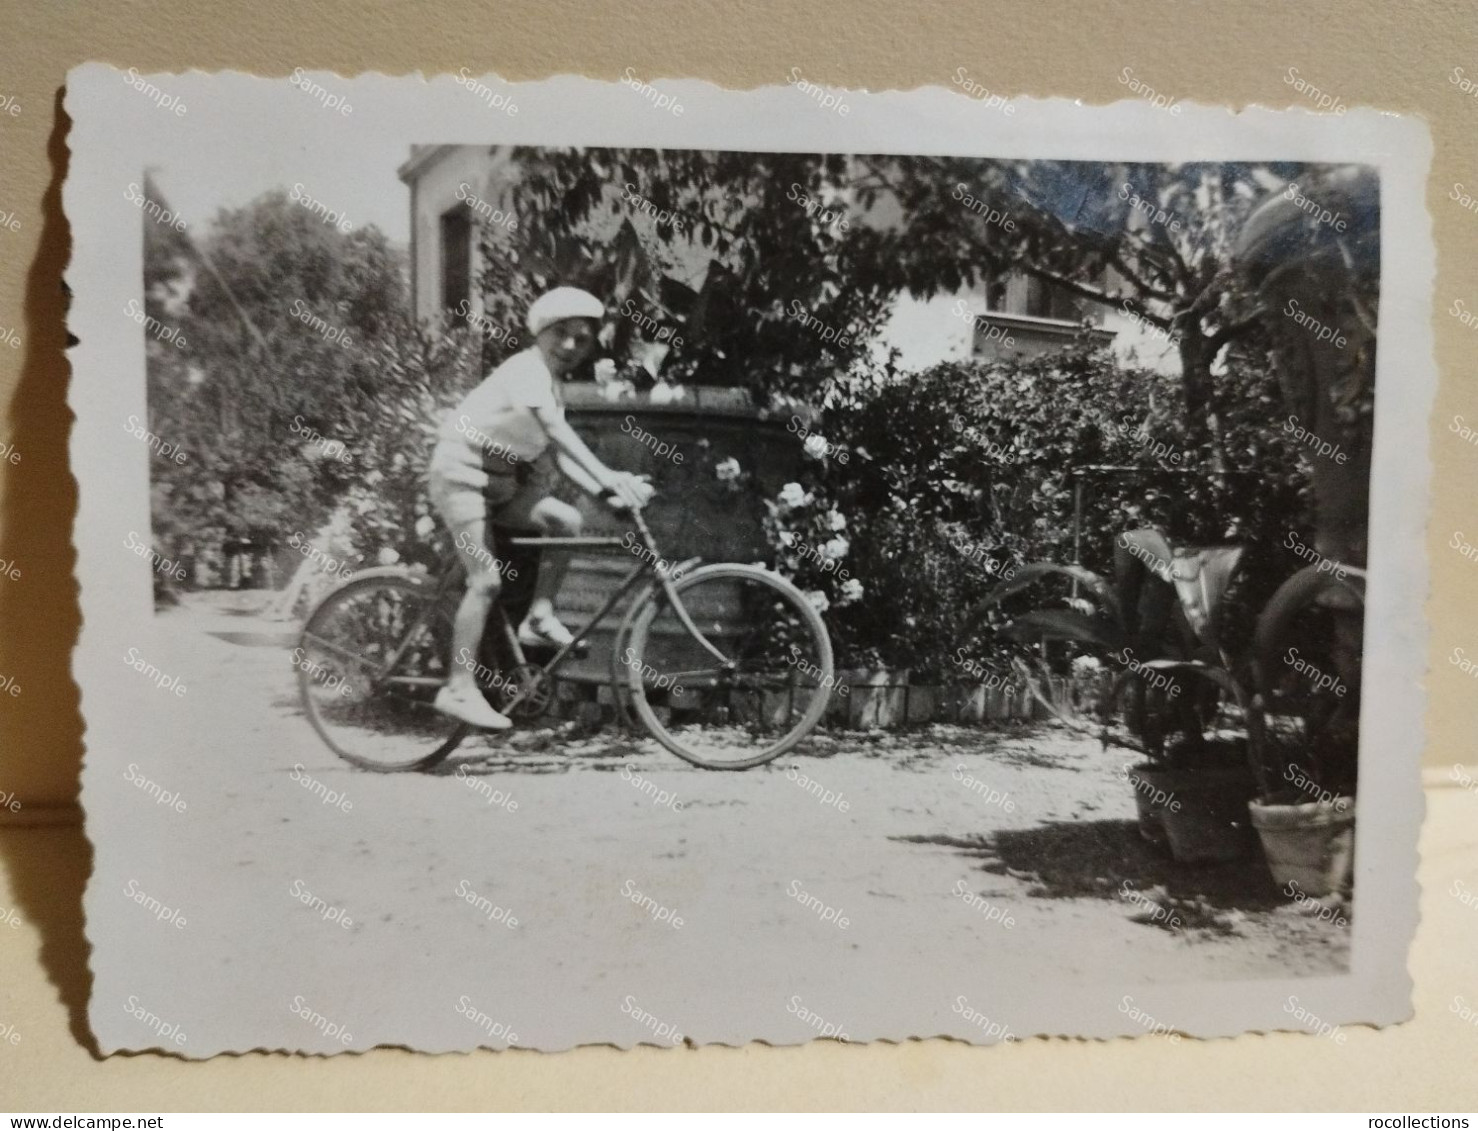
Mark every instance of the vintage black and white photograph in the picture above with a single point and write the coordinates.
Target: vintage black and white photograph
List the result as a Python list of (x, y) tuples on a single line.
[(573, 584)]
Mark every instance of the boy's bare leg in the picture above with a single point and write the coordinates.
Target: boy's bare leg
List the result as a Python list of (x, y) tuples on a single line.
[(461, 697), (560, 520)]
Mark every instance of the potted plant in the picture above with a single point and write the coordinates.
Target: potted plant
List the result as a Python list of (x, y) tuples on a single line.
[(1305, 728)]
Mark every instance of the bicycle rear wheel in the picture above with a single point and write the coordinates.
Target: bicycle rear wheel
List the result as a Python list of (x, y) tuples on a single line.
[(734, 674), (370, 712)]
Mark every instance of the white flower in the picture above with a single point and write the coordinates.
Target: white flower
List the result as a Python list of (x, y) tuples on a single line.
[(792, 495), (615, 390), (663, 393), (836, 548), (1084, 606), (818, 600), (1086, 665), (727, 469), (816, 446), (389, 556), (851, 591), (425, 525), (787, 538), (836, 520), (605, 370)]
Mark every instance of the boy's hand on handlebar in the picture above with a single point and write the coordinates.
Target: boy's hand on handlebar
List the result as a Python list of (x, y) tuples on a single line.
[(630, 491)]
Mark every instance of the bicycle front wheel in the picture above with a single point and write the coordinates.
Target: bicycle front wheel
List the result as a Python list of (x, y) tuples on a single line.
[(734, 672), (370, 661)]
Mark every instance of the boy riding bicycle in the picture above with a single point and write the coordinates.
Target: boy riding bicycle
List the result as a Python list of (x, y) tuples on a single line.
[(492, 463)]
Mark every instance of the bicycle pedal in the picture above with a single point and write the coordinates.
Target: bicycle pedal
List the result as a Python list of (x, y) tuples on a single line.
[(539, 653)]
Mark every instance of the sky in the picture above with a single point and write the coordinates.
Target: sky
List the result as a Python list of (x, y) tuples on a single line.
[(229, 171)]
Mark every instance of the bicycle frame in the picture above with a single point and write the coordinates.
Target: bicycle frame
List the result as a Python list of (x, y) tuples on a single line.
[(647, 565)]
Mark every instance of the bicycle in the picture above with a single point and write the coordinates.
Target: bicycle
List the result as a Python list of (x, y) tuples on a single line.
[(726, 665)]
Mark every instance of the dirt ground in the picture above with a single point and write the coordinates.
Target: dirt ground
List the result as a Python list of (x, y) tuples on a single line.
[(1015, 902)]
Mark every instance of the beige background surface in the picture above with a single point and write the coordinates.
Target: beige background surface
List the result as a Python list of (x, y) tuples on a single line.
[(1397, 57)]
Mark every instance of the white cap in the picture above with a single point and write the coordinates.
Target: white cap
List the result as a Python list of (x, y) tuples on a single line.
[(562, 303)]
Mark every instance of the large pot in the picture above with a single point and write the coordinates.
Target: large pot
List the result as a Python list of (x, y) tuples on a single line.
[(1310, 845), (1203, 813)]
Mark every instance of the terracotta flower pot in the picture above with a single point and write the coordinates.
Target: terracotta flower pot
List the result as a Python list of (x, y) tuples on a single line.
[(1311, 845)]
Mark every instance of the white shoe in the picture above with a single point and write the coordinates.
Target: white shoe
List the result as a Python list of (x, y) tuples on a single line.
[(472, 709), (546, 630)]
